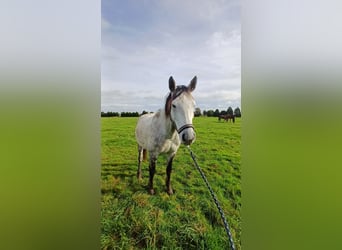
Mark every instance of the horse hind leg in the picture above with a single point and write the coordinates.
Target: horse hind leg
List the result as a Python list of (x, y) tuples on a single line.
[(140, 159)]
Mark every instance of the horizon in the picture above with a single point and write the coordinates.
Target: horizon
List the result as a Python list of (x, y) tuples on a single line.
[(153, 111)]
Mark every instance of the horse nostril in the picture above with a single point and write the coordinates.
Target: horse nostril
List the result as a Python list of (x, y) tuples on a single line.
[(183, 137)]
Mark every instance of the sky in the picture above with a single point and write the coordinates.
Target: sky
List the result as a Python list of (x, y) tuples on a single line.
[(144, 42)]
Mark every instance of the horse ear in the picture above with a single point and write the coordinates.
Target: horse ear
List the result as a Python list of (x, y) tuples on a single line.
[(192, 84), (172, 84)]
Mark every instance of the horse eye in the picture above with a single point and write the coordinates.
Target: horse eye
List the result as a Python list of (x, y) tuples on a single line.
[(173, 105)]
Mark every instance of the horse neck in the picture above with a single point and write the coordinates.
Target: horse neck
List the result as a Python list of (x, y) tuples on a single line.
[(166, 123)]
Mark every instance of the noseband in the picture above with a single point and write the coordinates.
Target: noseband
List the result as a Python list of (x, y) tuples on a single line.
[(185, 127)]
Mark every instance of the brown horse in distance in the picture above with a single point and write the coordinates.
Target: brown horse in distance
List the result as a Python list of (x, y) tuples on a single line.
[(227, 118)]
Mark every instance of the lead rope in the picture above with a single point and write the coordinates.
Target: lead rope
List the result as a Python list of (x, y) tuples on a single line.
[(226, 226)]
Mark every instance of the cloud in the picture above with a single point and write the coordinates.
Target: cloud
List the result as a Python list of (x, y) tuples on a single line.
[(105, 25), (146, 42)]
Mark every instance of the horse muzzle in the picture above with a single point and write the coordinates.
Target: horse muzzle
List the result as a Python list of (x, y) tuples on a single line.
[(187, 134)]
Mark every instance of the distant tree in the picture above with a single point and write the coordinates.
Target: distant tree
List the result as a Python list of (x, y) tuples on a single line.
[(210, 113), (129, 114), (223, 112), (237, 112), (205, 113), (144, 112), (197, 112), (109, 114), (230, 111), (217, 113)]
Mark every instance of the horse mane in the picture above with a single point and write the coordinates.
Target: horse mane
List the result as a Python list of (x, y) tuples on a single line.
[(168, 105), (173, 95)]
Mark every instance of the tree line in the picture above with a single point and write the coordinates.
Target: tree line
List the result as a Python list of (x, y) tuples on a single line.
[(122, 114), (210, 113)]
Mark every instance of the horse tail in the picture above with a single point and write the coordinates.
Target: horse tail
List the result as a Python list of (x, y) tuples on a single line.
[(144, 154)]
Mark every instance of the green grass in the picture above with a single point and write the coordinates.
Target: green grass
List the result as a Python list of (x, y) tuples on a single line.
[(189, 219)]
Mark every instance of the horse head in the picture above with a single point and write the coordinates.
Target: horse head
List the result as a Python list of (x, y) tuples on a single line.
[(180, 106)]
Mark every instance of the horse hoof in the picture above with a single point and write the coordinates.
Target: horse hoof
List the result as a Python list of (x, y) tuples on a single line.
[(170, 192), (151, 191)]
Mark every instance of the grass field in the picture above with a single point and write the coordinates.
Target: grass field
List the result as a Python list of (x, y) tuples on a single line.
[(189, 219)]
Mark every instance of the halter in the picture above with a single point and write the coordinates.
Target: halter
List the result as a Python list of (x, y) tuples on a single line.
[(177, 92), (185, 127)]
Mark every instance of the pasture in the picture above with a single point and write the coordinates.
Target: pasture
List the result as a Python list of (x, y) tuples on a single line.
[(189, 219)]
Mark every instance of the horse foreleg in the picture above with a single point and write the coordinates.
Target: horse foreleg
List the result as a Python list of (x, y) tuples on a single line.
[(152, 169), (168, 175), (140, 158)]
